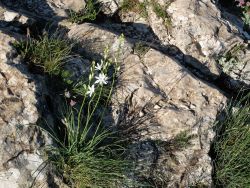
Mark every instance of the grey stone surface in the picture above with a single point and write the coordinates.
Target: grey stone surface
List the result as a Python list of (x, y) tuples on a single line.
[(179, 102), (95, 40), (22, 161), (45, 8)]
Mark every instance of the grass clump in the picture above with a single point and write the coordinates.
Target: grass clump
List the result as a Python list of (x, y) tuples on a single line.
[(89, 154), (182, 140), (89, 13), (232, 146), (85, 159), (135, 6), (47, 52), (161, 13), (141, 49)]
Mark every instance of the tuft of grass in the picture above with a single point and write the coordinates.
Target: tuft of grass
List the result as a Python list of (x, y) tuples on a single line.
[(88, 153), (141, 49), (48, 52), (179, 142), (89, 13), (232, 146), (135, 6), (182, 140), (161, 13), (90, 161)]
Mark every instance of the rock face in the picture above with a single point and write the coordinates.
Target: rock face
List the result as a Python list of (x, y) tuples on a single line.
[(235, 64), (198, 29), (181, 106), (95, 40), (21, 162), (43, 8), (180, 103)]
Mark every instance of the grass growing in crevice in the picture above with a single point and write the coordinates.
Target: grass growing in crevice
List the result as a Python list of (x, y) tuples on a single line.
[(232, 146), (91, 157), (160, 12), (88, 13), (141, 49), (179, 142), (135, 6), (48, 53), (90, 154), (182, 140), (87, 152)]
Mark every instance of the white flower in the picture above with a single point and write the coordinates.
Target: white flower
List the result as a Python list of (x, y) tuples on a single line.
[(101, 79), (67, 94), (98, 66), (91, 90)]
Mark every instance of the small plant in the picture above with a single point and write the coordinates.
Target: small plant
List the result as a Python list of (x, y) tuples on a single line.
[(135, 6), (141, 49), (89, 154), (230, 59), (179, 142), (161, 13), (246, 18), (182, 140), (89, 13), (245, 6), (48, 52), (232, 162)]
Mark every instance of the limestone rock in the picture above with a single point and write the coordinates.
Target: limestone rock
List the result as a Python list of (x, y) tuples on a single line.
[(198, 30), (157, 94), (110, 7), (75, 5), (96, 39), (45, 9), (181, 104), (21, 159), (10, 16), (235, 64)]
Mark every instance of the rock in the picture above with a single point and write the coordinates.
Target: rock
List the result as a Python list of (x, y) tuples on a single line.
[(13, 175), (95, 40), (206, 32), (158, 26), (75, 5), (187, 105), (145, 155), (235, 64), (170, 109), (77, 67), (10, 16), (21, 157), (197, 29), (109, 7), (36, 8), (45, 9)]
